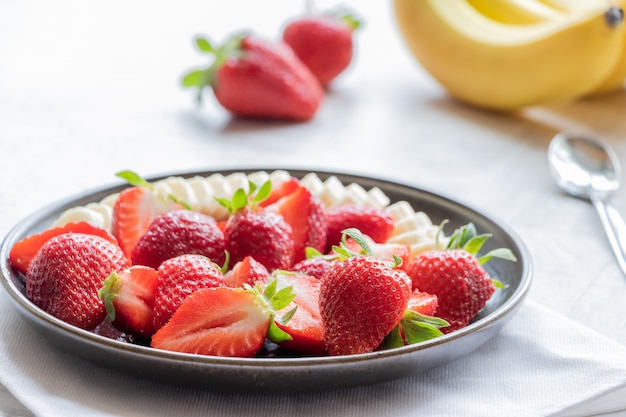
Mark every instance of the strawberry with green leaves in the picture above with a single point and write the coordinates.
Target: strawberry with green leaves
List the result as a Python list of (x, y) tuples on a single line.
[(257, 232), (134, 210), (179, 277), (323, 42), (364, 299), (64, 277), (128, 296), (232, 322), (179, 232), (457, 276), (252, 77)]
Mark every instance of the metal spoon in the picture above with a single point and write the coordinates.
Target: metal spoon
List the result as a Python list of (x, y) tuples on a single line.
[(588, 168)]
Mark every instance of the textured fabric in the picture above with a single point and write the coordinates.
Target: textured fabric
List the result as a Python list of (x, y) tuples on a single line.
[(540, 364)]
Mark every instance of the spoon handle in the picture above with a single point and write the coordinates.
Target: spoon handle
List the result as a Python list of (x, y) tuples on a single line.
[(615, 229)]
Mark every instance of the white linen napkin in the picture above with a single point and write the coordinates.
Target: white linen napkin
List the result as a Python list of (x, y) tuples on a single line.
[(542, 364)]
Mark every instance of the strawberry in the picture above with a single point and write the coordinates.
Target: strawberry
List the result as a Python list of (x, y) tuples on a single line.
[(23, 252), (362, 299), (247, 271), (133, 211), (179, 277), (373, 222), (64, 277), (383, 251), (456, 276), (252, 77), (254, 231), (305, 327), (423, 303), (323, 43), (179, 232), (305, 214), (128, 296), (281, 190), (224, 321), (315, 266)]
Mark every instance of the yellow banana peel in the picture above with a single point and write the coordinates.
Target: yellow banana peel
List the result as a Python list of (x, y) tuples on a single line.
[(503, 66)]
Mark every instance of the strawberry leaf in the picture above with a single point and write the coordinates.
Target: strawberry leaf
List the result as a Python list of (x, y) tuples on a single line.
[(393, 339), (474, 244), (501, 253), (419, 327), (204, 45), (262, 192), (358, 237), (276, 334), (109, 292), (134, 179), (194, 78)]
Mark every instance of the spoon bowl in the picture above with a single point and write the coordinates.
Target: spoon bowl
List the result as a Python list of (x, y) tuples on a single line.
[(588, 168)]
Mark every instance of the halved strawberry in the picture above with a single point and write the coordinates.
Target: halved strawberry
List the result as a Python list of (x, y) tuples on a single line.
[(305, 327), (128, 296), (23, 252), (133, 211), (423, 303), (281, 190), (305, 214), (223, 321), (247, 271)]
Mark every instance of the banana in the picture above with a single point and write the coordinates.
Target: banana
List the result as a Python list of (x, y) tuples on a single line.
[(516, 11), (505, 67), (616, 78)]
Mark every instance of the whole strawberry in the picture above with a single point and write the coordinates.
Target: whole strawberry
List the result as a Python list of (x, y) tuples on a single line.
[(456, 277), (179, 232), (179, 277), (64, 277), (362, 299), (323, 43), (254, 231), (252, 77)]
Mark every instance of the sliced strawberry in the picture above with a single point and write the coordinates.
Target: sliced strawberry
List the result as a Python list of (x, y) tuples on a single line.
[(247, 271), (423, 303), (134, 210), (305, 327), (23, 252), (305, 214), (373, 222), (128, 296), (281, 190), (216, 321)]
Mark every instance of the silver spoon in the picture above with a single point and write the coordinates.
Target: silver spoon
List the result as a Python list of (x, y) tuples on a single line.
[(588, 168)]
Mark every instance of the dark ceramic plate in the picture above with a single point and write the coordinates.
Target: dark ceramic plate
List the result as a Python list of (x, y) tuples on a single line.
[(288, 374)]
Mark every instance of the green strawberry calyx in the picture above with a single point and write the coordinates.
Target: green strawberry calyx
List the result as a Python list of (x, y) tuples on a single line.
[(243, 198), (416, 328), (347, 16), (205, 77), (108, 293), (342, 251), (272, 300)]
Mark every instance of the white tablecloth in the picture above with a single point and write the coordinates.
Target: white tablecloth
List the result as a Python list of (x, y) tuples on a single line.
[(90, 88)]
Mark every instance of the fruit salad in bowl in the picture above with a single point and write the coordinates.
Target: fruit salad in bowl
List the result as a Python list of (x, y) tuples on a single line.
[(227, 273)]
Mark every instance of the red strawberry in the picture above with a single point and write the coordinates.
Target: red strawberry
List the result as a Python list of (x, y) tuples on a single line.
[(305, 326), (128, 296), (305, 214), (323, 43), (252, 77), (23, 252), (224, 321), (383, 251), (316, 266), (247, 271), (281, 190), (134, 210), (65, 275), (179, 232), (456, 276), (179, 277), (423, 303), (373, 222), (262, 234), (362, 299)]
